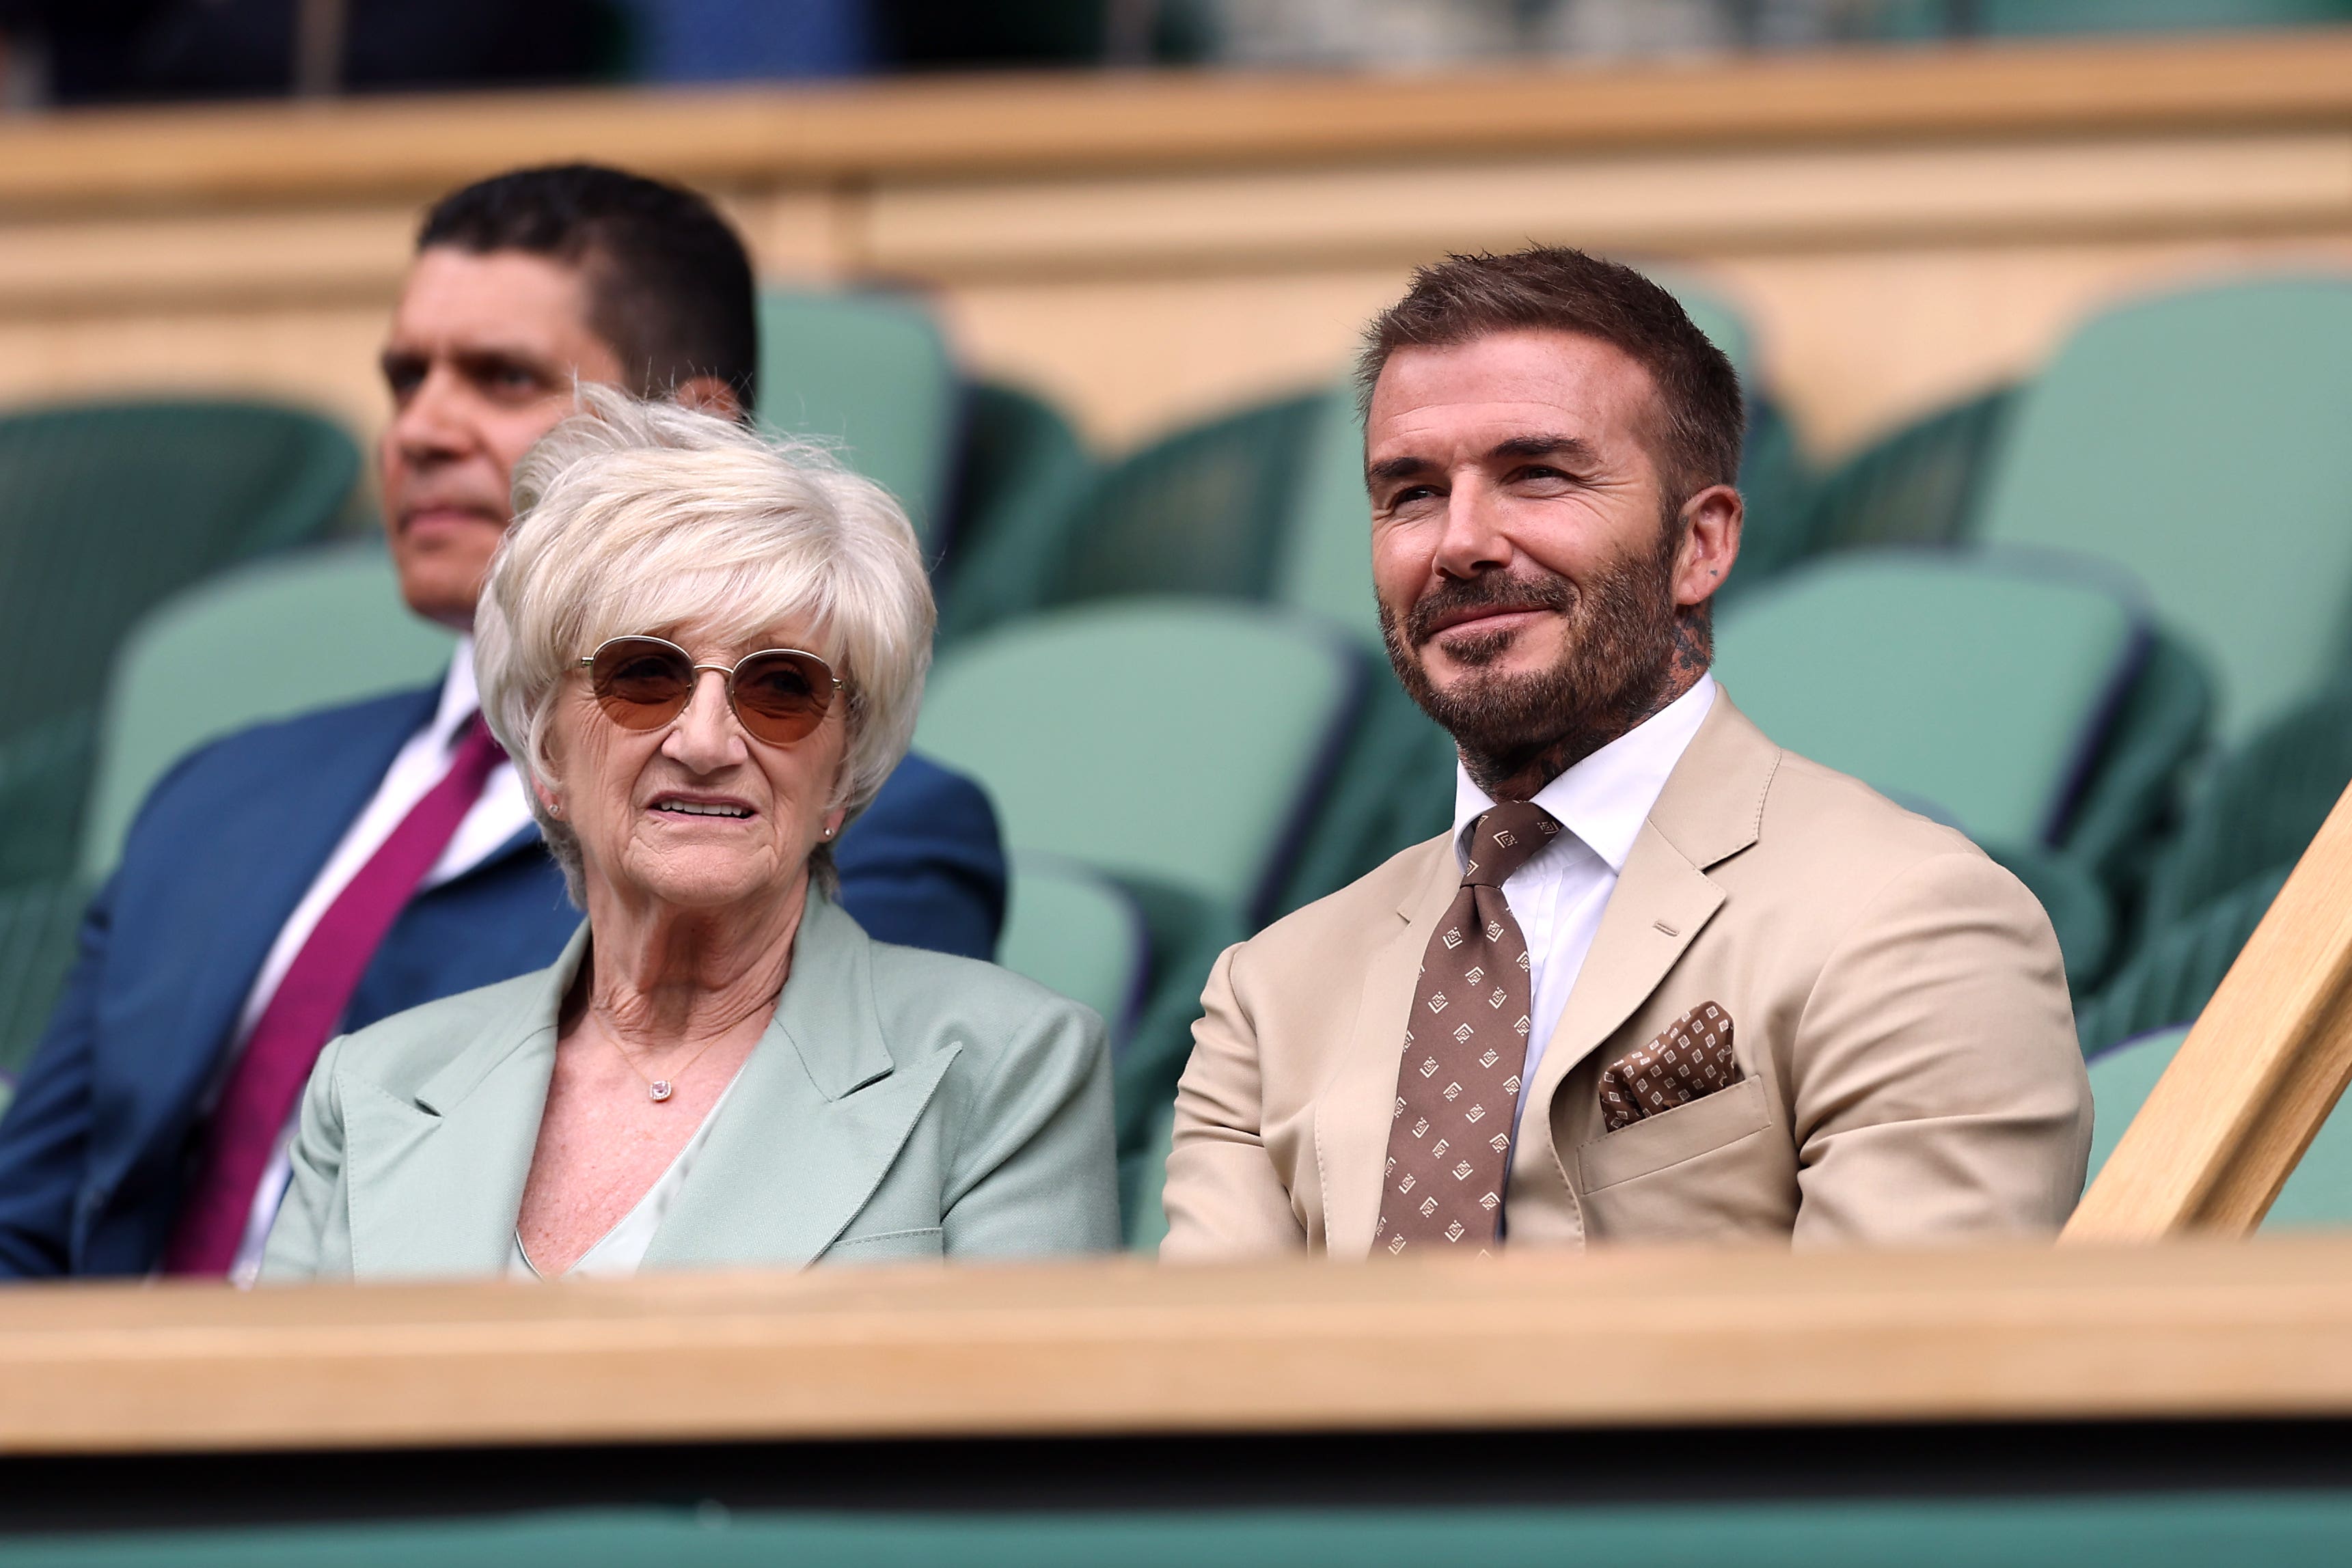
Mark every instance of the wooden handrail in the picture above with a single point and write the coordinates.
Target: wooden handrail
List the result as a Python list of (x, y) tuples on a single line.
[(1003, 126), (2247, 1091), (2188, 1330)]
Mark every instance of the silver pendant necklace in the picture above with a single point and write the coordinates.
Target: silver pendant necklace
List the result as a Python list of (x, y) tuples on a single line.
[(656, 1089)]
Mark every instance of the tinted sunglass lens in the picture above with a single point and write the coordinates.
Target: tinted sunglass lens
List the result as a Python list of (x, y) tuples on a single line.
[(782, 697), (640, 682)]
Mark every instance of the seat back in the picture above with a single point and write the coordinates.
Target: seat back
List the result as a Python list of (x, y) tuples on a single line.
[(1176, 741), (278, 638), (2319, 1192), (105, 510), (868, 374), (1982, 686), (2197, 439), (1072, 930)]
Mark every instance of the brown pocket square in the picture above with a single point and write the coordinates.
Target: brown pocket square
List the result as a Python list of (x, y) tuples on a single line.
[(1690, 1059)]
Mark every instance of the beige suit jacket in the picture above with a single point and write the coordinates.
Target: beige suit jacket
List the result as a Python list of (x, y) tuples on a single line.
[(1898, 1006)]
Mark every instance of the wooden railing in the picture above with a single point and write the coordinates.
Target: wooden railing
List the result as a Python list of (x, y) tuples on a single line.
[(1609, 1340)]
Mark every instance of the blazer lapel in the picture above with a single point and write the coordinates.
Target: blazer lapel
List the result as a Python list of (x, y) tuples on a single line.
[(436, 1182), (1711, 809), (1355, 1107), (813, 1125)]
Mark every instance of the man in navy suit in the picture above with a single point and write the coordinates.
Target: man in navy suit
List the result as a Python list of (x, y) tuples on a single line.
[(235, 872)]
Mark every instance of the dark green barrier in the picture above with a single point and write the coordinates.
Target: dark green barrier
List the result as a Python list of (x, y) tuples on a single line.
[(2277, 1530)]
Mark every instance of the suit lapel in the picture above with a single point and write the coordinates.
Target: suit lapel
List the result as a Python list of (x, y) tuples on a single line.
[(1711, 809), (1355, 1107), (813, 1125), (436, 1182), (178, 1015)]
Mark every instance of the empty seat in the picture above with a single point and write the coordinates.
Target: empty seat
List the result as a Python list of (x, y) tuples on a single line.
[(107, 508), (278, 638), (869, 374), (1073, 930), (1171, 740), (2197, 438), (1922, 484), (1982, 688), (2319, 1193), (1178, 745), (1985, 691), (1023, 471)]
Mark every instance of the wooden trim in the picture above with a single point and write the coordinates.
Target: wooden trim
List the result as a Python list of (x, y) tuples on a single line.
[(1100, 122), (2264, 1065), (2191, 1330)]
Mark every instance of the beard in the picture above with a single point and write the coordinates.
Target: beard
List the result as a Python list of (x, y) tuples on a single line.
[(1619, 657)]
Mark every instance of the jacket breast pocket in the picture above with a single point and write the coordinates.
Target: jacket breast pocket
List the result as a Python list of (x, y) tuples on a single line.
[(926, 1244), (1704, 1170)]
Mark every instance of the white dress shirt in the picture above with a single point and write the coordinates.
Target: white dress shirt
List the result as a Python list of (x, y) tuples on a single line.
[(498, 813), (1558, 895)]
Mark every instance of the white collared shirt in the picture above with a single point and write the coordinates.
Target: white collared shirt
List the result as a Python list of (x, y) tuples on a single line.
[(499, 812), (1557, 896)]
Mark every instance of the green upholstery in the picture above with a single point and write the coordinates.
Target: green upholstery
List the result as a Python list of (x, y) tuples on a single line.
[(1323, 562), (1073, 930), (2131, 791), (1146, 1220), (2186, 1528), (1921, 485), (1169, 740), (1981, 688), (37, 925), (2319, 1193), (104, 511), (869, 374), (306, 631), (1778, 484), (1172, 744), (2197, 439), (2173, 971), (43, 775), (1023, 473), (2259, 808), (1201, 511)]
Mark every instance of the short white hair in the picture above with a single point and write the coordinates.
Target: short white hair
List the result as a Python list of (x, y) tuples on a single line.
[(634, 516)]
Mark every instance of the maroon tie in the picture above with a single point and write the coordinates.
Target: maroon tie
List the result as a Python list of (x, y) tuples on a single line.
[(302, 1016)]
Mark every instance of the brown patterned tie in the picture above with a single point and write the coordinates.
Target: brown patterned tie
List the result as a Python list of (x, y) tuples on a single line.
[(1463, 1047)]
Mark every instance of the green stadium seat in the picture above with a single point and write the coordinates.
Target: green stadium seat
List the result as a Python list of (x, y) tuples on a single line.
[(2258, 808), (2319, 1193), (2196, 439), (1169, 740), (870, 375), (304, 630), (1979, 688), (1146, 1217), (1073, 930), (1921, 485), (1982, 688), (2173, 971), (1024, 471), (105, 509), (1177, 746)]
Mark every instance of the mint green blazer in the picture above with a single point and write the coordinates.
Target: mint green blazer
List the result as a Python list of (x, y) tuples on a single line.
[(902, 1105)]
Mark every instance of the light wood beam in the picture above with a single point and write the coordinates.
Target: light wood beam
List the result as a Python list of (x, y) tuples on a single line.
[(1723, 1337), (2248, 1088)]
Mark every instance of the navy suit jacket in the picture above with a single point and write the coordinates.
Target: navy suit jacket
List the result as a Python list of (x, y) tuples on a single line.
[(95, 1146)]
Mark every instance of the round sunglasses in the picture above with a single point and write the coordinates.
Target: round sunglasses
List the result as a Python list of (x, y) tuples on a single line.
[(779, 694)]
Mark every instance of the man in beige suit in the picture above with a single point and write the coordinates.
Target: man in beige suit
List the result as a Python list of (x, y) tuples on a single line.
[(1664, 981)]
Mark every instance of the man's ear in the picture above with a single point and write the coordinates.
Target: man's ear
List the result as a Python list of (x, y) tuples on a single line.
[(1711, 523), (708, 395)]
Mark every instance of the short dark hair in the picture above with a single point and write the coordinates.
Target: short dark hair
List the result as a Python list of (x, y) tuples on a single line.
[(1555, 288), (670, 284)]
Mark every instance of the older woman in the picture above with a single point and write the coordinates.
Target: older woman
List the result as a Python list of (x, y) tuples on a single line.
[(708, 651)]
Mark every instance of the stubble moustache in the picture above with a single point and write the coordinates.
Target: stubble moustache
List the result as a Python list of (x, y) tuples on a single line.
[(1619, 656)]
